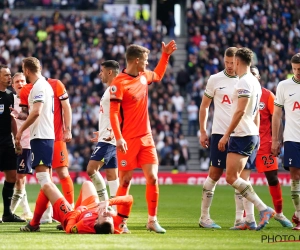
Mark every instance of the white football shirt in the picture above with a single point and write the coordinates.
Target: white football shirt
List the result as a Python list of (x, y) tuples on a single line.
[(104, 120), (25, 139), (249, 87), (220, 88), (43, 126), (288, 97)]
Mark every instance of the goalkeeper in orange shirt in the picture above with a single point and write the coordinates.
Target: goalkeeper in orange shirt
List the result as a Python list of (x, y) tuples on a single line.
[(89, 216)]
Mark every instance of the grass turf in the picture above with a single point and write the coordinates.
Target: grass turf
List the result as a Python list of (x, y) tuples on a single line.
[(179, 209)]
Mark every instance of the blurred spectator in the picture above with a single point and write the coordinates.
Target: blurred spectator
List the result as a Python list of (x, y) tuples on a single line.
[(192, 110)]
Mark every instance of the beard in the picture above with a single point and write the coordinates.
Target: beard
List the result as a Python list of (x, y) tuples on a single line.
[(27, 80)]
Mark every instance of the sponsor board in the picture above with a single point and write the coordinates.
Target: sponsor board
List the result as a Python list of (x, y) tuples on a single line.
[(166, 178)]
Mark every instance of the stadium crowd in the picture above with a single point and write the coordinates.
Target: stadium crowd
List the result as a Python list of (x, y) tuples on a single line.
[(72, 47), (270, 28)]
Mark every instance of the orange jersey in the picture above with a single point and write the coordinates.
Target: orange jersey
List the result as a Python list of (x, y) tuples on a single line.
[(60, 94), (129, 97), (266, 109), (82, 220)]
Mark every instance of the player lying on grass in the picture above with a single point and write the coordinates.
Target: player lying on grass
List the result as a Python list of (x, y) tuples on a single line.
[(89, 216)]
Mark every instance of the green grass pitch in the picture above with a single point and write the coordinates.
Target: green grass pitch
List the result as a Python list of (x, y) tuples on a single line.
[(179, 209)]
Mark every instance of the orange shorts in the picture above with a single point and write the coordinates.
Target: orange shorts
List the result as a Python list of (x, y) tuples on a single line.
[(265, 163), (90, 202), (141, 150), (61, 210), (60, 155)]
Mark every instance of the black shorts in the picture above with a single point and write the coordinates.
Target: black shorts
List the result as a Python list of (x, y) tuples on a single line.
[(8, 158)]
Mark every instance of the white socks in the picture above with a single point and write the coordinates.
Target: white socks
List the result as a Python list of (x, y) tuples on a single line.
[(113, 187), (100, 186), (209, 187), (16, 199), (247, 191), (239, 207), (295, 193)]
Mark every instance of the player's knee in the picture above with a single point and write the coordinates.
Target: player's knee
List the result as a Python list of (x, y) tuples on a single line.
[(43, 178), (272, 178), (152, 180), (230, 179)]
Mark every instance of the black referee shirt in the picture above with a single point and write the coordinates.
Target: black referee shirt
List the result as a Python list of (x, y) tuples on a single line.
[(6, 101)]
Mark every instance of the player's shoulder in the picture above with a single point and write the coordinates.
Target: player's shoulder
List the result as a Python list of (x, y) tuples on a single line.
[(9, 92), (265, 91), (287, 82)]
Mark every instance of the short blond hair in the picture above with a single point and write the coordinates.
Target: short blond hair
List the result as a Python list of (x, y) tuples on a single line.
[(17, 74)]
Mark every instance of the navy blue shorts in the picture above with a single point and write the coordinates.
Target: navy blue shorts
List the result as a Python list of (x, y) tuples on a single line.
[(217, 157), (106, 153), (291, 156), (42, 152), (8, 158), (247, 145), (24, 162)]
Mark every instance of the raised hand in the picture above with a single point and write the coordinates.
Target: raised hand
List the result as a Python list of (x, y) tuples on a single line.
[(168, 48)]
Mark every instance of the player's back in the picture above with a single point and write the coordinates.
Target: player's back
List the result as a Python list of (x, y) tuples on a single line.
[(249, 87), (60, 93), (43, 127), (104, 118), (133, 93), (220, 88), (266, 107)]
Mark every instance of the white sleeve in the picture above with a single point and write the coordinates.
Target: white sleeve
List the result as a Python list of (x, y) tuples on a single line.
[(243, 89), (210, 88), (279, 100), (38, 93)]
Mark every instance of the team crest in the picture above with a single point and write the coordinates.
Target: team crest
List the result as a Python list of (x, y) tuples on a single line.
[(262, 106), (123, 163), (143, 80), (1, 108), (113, 89)]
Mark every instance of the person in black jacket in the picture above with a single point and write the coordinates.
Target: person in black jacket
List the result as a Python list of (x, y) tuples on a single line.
[(8, 158)]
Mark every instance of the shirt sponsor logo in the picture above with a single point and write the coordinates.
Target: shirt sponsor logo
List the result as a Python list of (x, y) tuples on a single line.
[(243, 91), (38, 96), (1, 108), (87, 215), (143, 80)]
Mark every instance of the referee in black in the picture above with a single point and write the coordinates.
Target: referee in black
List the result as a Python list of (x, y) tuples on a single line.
[(8, 157)]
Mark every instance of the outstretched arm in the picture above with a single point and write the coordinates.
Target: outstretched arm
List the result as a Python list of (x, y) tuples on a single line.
[(161, 67)]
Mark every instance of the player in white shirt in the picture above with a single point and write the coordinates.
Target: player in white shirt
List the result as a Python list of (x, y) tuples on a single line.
[(40, 121), (243, 132), (219, 89), (104, 154), (23, 160), (288, 97)]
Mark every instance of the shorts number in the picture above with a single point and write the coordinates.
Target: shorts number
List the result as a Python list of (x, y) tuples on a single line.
[(96, 150), (268, 160), (22, 164), (62, 156)]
